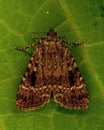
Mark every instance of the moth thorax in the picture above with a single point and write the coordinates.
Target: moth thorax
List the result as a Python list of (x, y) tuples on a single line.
[(51, 33)]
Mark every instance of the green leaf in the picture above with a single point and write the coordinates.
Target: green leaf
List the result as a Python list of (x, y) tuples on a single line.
[(82, 20)]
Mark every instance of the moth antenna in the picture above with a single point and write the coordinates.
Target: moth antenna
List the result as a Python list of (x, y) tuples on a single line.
[(31, 32)]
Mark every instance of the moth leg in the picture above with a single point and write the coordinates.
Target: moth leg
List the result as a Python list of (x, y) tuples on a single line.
[(30, 46), (73, 43)]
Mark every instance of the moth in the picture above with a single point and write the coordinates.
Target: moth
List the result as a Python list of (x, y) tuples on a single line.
[(52, 72)]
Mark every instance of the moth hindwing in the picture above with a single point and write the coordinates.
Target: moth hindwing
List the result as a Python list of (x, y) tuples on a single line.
[(52, 70)]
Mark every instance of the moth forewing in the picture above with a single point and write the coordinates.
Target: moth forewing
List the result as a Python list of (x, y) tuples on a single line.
[(52, 69)]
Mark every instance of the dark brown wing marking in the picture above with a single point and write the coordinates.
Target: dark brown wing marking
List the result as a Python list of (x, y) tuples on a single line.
[(33, 93), (72, 92)]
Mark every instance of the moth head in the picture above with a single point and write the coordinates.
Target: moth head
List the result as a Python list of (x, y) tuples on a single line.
[(52, 33)]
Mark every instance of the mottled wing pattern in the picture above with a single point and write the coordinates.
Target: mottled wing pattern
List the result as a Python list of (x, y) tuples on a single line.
[(32, 93), (72, 92), (52, 71)]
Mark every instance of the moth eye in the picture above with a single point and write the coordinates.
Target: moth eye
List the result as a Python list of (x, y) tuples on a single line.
[(55, 34), (47, 34)]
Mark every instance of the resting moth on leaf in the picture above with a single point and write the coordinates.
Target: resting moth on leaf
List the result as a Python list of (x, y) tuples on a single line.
[(52, 71)]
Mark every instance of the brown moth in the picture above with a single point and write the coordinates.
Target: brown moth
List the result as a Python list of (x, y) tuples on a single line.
[(52, 71)]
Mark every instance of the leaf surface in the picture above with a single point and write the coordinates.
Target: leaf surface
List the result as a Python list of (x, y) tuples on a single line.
[(84, 20)]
